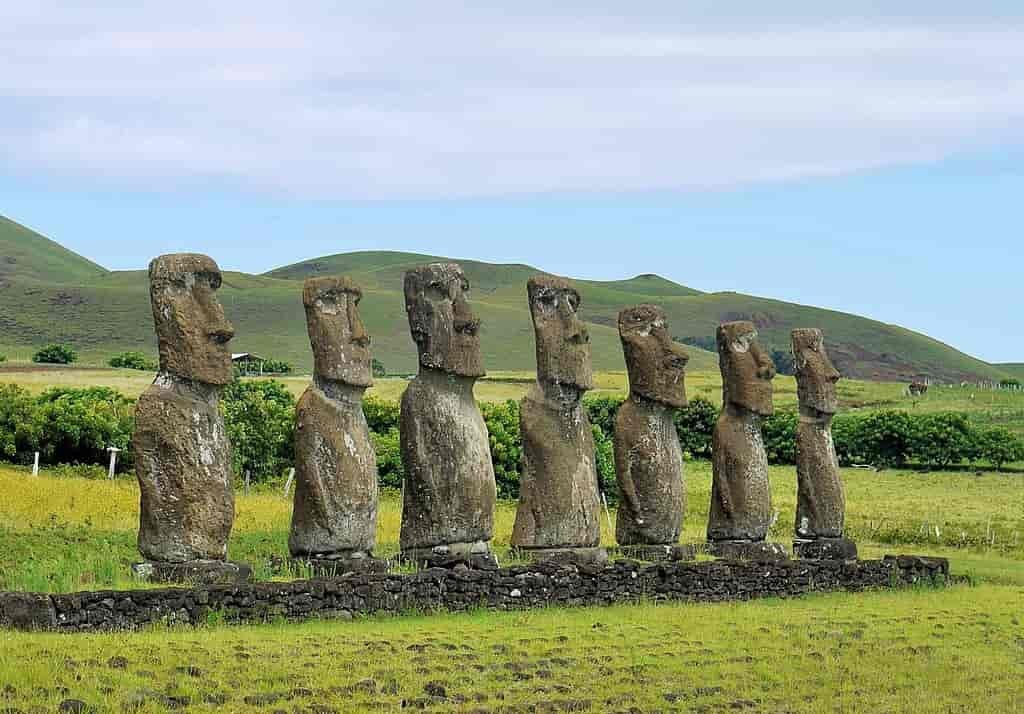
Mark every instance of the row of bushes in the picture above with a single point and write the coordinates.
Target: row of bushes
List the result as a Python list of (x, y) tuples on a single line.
[(77, 426)]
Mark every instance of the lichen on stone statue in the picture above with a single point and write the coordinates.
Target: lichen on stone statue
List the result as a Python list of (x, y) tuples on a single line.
[(648, 457), (821, 503), (334, 518), (449, 491), (559, 510), (741, 509), (182, 453)]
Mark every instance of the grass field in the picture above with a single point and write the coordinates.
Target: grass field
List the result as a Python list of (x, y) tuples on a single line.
[(920, 650)]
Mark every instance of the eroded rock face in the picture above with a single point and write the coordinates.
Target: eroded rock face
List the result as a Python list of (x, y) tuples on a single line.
[(740, 495), (648, 457), (335, 511), (821, 503), (183, 458), (448, 506), (559, 501)]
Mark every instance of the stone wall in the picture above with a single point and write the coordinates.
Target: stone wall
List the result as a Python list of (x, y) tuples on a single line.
[(454, 590)]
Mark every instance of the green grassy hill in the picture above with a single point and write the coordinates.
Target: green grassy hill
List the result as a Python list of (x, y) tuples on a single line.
[(48, 293), (1013, 369)]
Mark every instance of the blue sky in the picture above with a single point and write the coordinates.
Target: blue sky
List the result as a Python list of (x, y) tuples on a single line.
[(869, 162)]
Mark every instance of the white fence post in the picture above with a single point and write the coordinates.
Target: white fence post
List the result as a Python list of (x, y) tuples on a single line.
[(35, 466), (288, 483), (114, 451)]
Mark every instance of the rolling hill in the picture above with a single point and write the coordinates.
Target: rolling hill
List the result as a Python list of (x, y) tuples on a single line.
[(48, 293)]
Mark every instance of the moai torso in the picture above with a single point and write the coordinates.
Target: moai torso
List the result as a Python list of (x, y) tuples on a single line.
[(183, 457), (449, 486), (335, 510), (559, 500), (648, 457), (740, 496), (821, 503)]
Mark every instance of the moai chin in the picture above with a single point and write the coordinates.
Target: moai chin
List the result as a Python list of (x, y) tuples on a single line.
[(183, 458), (648, 457), (821, 504), (558, 517), (334, 519), (450, 492), (741, 509)]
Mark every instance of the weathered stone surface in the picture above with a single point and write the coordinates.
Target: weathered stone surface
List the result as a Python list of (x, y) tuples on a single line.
[(342, 564), (821, 503), (825, 549), (520, 587), (199, 572), (559, 501), (449, 489), (335, 511), (648, 457), (740, 497), (674, 553), (27, 611), (181, 448), (473, 555), (757, 551)]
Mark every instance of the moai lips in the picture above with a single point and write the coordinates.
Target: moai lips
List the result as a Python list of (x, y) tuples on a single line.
[(334, 519), (648, 457)]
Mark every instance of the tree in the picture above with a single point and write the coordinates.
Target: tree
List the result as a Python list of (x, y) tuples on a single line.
[(260, 421), (378, 368), (55, 354)]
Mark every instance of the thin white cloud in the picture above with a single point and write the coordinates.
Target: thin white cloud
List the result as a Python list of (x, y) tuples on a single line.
[(437, 100)]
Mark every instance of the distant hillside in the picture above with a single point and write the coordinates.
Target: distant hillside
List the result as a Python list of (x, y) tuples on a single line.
[(26, 254), (1013, 369), (48, 293)]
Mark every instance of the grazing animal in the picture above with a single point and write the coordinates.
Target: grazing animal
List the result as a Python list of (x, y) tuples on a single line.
[(917, 389)]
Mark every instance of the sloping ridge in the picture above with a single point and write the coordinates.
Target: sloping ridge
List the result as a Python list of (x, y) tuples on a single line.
[(48, 293), (25, 254)]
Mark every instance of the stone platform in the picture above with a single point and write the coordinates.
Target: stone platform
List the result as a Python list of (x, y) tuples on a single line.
[(520, 587), (757, 551), (199, 572), (564, 556), (321, 567), (825, 549), (654, 553)]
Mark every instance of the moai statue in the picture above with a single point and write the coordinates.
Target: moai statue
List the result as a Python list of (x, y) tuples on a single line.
[(334, 521), (448, 506), (648, 457), (558, 517), (741, 509), (182, 454), (821, 505)]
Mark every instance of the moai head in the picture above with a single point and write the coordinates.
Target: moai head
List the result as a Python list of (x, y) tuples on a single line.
[(656, 364), (341, 347), (815, 376), (442, 324), (747, 370), (191, 328), (563, 344)]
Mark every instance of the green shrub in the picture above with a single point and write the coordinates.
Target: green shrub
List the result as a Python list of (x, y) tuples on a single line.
[(277, 366), (939, 440), (882, 439), (381, 416), (389, 458), (601, 411), (76, 426), (260, 420), (1010, 383), (506, 445), (377, 368), (999, 446), (779, 433), (604, 453), (55, 354), (695, 425), (20, 431), (133, 360)]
